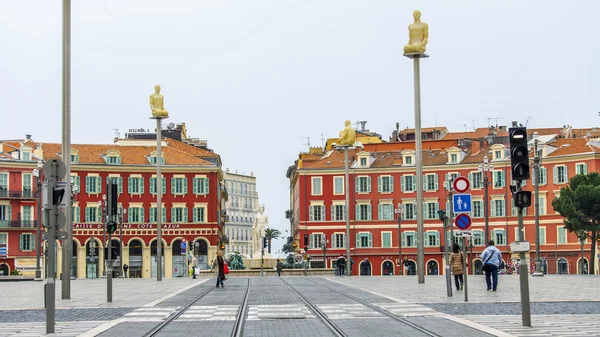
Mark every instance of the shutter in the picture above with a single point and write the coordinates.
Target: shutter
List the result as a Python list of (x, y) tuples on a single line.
[(370, 240), (566, 175), (9, 212), (403, 211), (310, 213), (120, 185), (357, 240), (141, 185), (379, 184), (195, 214), (402, 178), (493, 207), (333, 213), (345, 213), (87, 184), (152, 214), (185, 214), (98, 184), (152, 185), (471, 180), (141, 214), (369, 212), (128, 215), (185, 189), (585, 169), (164, 214), (426, 239), (205, 186), (323, 216), (129, 185), (391, 211), (357, 209), (425, 182), (172, 185), (554, 171), (356, 184), (414, 183), (333, 243), (369, 184), (195, 185), (21, 242), (503, 180), (173, 215), (435, 181), (404, 239), (380, 212), (164, 185), (391, 184)]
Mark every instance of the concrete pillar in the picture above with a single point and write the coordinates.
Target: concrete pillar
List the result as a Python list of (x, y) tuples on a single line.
[(168, 261), (58, 262), (125, 256), (146, 263), (81, 262), (101, 261)]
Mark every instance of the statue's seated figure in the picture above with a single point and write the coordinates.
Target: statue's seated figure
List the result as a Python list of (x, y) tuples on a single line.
[(418, 33), (347, 135), (157, 103)]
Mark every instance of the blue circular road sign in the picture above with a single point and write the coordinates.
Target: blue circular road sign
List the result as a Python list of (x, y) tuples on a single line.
[(463, 221)]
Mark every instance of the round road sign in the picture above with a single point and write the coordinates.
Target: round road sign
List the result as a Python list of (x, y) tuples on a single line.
[(463, 221), (461, 184)]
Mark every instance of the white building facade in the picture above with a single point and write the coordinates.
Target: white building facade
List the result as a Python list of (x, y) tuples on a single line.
[(242, 205)]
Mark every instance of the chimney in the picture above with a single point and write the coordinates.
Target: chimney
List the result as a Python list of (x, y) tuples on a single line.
[(475, 147), (28, 137)]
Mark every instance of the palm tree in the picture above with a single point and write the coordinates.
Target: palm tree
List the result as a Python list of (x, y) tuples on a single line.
[(270, 234)]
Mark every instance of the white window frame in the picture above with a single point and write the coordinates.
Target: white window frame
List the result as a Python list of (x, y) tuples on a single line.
[(312, 210), (316, 188), (578, 169), (381, 214), (383, 240), (413, 185), (435, 182), (335, 191), (381, 185)]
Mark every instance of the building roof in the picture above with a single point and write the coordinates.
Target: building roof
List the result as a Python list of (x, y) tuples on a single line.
[(569, 146), (424, 130)]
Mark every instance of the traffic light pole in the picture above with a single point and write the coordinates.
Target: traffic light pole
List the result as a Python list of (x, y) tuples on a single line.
[(523, 274), (447, 271), (109, 220)]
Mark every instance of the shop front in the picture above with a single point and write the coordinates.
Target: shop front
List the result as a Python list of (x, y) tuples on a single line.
[(135, 259)]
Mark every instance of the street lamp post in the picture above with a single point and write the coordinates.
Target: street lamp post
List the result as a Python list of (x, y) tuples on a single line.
[(102, 205), (444, 218), (398, 211), (74, 192), (536, 170), (484, 169), (122, 212), (159, 258), (38, 238), (324, 246)]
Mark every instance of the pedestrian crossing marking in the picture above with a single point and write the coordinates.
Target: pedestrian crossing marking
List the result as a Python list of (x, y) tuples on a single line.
[(260, 312), (407, 309), (154, 314), (340, 311), (210, 313)]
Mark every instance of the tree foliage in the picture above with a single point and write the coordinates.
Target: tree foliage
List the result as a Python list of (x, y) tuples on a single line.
[(270, 234), (579, 204)]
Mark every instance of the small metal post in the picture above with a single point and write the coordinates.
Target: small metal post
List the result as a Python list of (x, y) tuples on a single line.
[(347, 192), (448, 267), (38, 238), (536, 171), (523, 274), (109, 219), (465, 269)]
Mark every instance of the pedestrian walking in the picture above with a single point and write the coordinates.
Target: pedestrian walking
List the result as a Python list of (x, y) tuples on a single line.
[(491, 258), (279, 267), (341, 265), (125, 268), (457, 260), (219, 263)]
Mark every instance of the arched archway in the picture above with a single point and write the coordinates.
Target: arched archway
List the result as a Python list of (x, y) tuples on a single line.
[(411, 267), (562, 266), (365, 267), (154, 258), (92, 255), (582, 266), (200, 247), (135, 266), (432, 267), (4, 269), (178, 249), (478, 266), (387, 268), (74, 258)]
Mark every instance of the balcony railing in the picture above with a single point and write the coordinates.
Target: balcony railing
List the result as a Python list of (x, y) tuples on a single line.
[(18, 223), (17, 194)]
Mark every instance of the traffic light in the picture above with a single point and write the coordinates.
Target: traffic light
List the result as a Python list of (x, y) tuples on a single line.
[(57, 195), (519, 153), (305, 240), (222, 246), (442, 214), (265, 242), (113, 196), (111, 227), (522, 199)]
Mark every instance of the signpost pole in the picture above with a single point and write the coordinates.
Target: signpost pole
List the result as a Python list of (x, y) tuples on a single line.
[(464, 249)]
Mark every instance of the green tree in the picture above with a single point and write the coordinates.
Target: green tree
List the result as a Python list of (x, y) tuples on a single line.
[(579, 204), (270, 234)]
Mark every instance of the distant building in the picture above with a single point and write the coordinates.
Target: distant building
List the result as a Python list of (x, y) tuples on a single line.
[(241, 207)]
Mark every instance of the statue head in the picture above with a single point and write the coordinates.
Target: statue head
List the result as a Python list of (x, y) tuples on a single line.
[(347, 123), (417, 15), (157, 88), (261, 208)]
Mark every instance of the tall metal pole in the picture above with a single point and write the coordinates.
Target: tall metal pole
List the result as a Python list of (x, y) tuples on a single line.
[(464, 250), (523, 274), (158, 199), (38, 238), (121, 215), (447, 269), (400, 263), (66, 147), (536, 171), (347, 190), (486, 205)]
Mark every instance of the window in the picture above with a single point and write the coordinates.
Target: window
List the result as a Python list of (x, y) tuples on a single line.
[(515, 211), (4, 238), (153, 185), (26, 242), (5, 214), (409, 183), (499, 179), (179, 214), (153, 215), (560, 174), (338, 212), (27, 185), (386, 239), (408, 239), (135, 185), (430, 209), (115, 180), (408, 211), (363, 184), (477, 209), (135, 215), (542, 205), (430, 182), (498, 154), (338, 185), (454, 158), (432, 239), (363, 161), (92, 214), (3, 184), (152, 160), (27, 213), (74, 158), (26, 155), (498, 208), (499, 236), (478, 238), (76, 214), (543, 176), (113, 160), (337, 240), (93, 184), (316, 186), (476, 179), (385, 212), (364, 240), (199, 214), (581, 169), (363, 212), (179, 185), (542, 235), (316, 213), (408, 160), (200, 185), (315, 240), (562, 235), (385, 184)]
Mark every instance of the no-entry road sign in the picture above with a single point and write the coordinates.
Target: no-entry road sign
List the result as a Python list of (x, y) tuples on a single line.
[(463, 221), (461, 184)]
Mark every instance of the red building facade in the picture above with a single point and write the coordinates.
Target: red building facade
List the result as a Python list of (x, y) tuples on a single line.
[(192, 198), (382, 187)]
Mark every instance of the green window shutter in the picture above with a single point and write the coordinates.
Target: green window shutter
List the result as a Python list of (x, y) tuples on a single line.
[(185, 189), (435, 181), (129, 185), (404, 239), (424, 182), (172, 185), (195, 185), (379, 212), (402, 182), (566, 175), (368, 184), (152, 185), (370, 240), (493, 208), (206, 190), (195, 214), (21, 243), (471, 180), (426, 239), (369, 212), (332, 213), (185, 214), (141, 185), (391, 184), (164, 215), (379, 184), (9, 212), (414, 183), (120, 185), (437, 238), (98, 184), (310, 213), (555, 174), (357, 209), (426, 211), (356, 184), (152, 213), (87, 185), (503, 174), (164, 185), (141, 214), (357, 240), (403, 211), (585, 171)]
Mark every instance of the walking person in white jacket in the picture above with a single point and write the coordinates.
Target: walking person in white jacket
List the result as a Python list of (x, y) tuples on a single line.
[(491, 258)]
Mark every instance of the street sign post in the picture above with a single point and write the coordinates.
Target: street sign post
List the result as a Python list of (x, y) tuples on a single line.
[(462, 203), (3, 250), (461, 184)]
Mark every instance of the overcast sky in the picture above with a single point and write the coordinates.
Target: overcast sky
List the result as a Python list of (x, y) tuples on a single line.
[(255, 78)]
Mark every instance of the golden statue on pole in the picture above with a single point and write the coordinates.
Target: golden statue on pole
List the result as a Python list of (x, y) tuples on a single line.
[(157, 103), (418, 33), (347, 136)]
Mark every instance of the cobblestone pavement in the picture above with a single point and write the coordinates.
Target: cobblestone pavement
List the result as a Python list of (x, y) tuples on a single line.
[(64, 315), (544, 325)]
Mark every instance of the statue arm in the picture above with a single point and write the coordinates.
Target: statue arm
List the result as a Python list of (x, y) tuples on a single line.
[(425, 34), (151, 102), (409, 35)]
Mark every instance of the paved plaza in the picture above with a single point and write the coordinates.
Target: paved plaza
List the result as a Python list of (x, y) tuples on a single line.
[(392, 306)]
